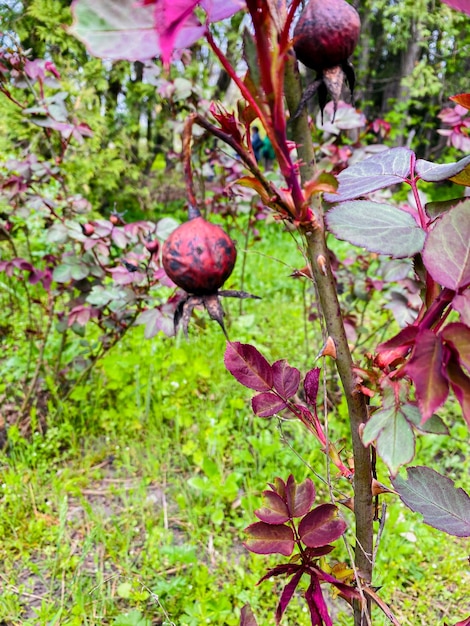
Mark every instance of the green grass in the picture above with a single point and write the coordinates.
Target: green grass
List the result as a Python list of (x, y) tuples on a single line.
[(129, 510)]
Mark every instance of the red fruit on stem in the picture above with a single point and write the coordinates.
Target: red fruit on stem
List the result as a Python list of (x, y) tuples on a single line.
[(326, 34), (199, 256)]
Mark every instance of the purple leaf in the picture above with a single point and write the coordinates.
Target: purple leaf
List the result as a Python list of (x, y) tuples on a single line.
[(286, 379), (267, 404), (81, 315), (434, 496), (286, 595), (321, 526), (425, 368), (406, 336), (221, 9), (435, 173), (286, 569), (460, 384), (446, 252), (311, 384), (378, 172), (461, 303), (316, 603), (139, 31), (269, 539), (299, 497), (158, 319), (246, 616), (279, 487), (458, 336), (274, 511), (118, 236), (248, 366), (117, 29), (377, 227), (459, 5)]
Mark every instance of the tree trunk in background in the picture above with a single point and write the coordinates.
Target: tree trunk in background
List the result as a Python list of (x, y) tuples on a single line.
[(408, 59)]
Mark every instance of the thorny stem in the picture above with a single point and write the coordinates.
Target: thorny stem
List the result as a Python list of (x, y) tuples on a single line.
[(316, 247)]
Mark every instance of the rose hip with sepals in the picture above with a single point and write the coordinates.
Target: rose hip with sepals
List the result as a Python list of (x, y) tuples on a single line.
[(199, 256)]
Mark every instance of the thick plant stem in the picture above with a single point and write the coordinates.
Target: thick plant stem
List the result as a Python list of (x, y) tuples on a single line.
[(317, 251)]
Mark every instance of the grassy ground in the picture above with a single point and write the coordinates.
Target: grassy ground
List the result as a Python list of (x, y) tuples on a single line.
[(129, 510)]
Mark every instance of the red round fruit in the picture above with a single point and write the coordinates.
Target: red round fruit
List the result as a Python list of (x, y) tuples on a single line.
[(199, 256), (326, 34)]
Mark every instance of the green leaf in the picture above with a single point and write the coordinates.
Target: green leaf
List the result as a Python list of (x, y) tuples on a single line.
[(394, 437), (377, 227), (62, 273), (376, 424), (434, 425)]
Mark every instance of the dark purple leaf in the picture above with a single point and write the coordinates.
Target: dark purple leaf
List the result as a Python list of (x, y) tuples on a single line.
[(461, 303), (434, 209), (434, 496), (274, 511), (405, 337), (321, 526), (425, 368), (246, 616), (446, 253), (460, 384), (313, 553), (319, 615), (458, 335), (286, 569), (248, 366), (267, 403), (300, 498), (269, 539), (434, 173), (279, 487), (286, 379), (382, 170), (286, 595), (377, 227), (311, 384)]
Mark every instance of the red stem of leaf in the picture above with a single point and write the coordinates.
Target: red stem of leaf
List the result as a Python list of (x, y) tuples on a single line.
[(437, 308), (240, 84), (277, 132)]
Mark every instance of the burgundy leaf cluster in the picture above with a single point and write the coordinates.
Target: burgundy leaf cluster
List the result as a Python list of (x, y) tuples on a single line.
[(277, 386), (287, 521)]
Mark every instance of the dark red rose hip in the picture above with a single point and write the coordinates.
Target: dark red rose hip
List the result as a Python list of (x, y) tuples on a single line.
[(199, 256)]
